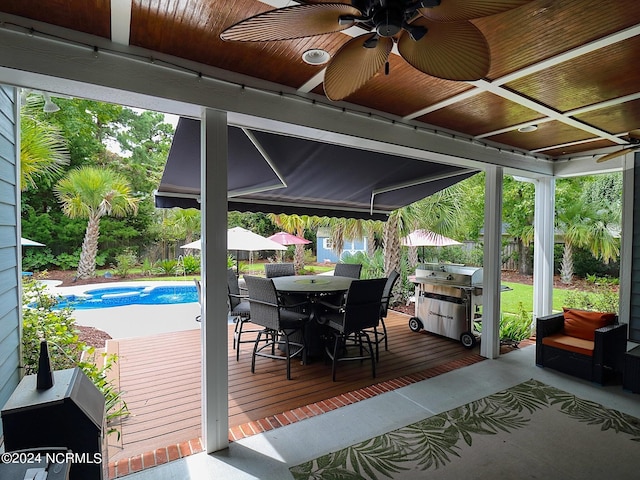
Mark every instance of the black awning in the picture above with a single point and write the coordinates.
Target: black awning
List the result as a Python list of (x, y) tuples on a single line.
[(274, 173)]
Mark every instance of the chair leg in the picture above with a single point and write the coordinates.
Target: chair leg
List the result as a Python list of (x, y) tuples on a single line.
[(335, 357), (288, 357), (373, 360), (384, 331), (377, 342), (237, 336), (255, 348)]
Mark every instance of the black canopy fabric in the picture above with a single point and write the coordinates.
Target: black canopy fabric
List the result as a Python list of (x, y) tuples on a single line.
[(274, 173)]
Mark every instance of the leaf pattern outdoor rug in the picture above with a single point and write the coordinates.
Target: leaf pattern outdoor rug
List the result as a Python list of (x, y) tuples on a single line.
[(531, 430)]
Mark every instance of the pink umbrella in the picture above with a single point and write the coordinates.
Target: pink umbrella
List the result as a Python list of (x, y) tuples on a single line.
[(284, 238)]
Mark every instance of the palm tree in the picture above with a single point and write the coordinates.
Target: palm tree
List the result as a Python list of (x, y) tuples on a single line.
[(188, 221), (43, 150), (92, 193), (586, 227)]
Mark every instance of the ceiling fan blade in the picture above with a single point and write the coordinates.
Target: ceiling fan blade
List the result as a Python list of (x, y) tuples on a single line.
[(457, 10), (287, 23), (354, 65), (619, 153), (451, 51)]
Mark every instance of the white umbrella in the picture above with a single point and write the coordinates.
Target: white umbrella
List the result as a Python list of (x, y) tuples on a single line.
[(25, 242), (197, 245), (239, 238), (427, 238)]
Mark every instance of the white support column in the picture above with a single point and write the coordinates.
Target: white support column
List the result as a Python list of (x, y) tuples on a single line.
[(213, 168), (626, 247), (544, 221), (490, 344)]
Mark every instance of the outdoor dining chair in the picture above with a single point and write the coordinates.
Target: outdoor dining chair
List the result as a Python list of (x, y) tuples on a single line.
[(351, 270), (282, 326), (349, 323), (273, 270), (240, 310), (379, 337)]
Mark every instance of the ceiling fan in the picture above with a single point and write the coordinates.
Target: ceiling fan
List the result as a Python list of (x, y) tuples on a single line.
[(434, 36), (634, 144)]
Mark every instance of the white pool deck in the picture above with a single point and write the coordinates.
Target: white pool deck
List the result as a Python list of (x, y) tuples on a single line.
[(134, 320)]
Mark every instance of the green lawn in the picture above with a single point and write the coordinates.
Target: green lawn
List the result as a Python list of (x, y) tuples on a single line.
[(521, 293)]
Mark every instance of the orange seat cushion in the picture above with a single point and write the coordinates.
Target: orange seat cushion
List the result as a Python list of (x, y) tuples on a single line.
[(572, 344), (583, 324)]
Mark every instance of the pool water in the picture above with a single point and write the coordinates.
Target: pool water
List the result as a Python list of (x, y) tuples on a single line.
[(121, 296)]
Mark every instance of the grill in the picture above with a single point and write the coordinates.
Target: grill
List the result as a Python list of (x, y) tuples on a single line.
[(448, 300)]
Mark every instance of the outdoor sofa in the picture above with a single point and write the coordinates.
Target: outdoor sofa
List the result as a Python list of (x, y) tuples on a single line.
[(589, 345)]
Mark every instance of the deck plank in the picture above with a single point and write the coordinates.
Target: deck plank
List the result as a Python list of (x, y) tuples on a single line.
[(161, 376)]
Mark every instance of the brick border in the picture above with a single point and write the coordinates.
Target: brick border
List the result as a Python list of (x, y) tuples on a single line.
[(163, 455)]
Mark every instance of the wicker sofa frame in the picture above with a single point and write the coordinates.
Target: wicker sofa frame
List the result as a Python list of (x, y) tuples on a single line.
[(605, 365)]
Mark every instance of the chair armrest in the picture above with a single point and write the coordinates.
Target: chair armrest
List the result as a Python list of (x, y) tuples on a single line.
[(549, 325), (262, 302), (610, 343), (331, 306), (241, 297), (546, 326)]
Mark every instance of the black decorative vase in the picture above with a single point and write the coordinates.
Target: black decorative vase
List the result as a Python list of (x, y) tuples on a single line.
[(44, 379)]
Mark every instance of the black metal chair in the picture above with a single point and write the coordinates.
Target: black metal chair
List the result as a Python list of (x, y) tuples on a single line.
[(350, 321), (240, 310), (279, 323), (273, 270), (351, 270), (378, 337)]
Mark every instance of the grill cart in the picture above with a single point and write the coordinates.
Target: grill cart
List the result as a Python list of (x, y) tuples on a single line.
[(448, 301)]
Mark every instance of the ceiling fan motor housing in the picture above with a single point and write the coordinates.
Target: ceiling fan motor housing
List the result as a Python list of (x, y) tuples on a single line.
[(388, 20)]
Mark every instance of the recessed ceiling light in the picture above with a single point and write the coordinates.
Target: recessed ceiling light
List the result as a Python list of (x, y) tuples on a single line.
[(528, 128), (316, 56)]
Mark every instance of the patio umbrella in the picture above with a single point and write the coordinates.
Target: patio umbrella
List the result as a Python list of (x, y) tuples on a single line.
[(427, 238), (197, 245), (239, 238), (284, 238), (25, 242)]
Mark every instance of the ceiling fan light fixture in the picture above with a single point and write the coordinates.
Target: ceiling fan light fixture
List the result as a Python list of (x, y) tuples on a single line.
[(316, 56), (528, 128)]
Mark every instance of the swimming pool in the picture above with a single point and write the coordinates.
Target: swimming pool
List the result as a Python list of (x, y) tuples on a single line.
[(133, 295)]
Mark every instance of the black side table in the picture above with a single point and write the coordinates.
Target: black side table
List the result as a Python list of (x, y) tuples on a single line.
[(631, 371)]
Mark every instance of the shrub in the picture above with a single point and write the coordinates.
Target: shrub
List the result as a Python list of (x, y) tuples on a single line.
[(516, 327), (191, 264), (604, 300), (125, 262), (167, 267), (147, 267), (67, 261), (37, 259), (57, 327)]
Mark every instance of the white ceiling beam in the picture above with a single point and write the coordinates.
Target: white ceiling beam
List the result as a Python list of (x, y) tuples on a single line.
[(495, 87)]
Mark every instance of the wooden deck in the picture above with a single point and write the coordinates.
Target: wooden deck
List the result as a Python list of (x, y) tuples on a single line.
[(160, 376)]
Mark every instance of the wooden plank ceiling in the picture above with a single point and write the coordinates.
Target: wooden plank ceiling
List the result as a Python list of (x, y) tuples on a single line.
[(568, 66)]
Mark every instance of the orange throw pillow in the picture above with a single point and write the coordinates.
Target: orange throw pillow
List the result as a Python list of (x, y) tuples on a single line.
[(583, 324)]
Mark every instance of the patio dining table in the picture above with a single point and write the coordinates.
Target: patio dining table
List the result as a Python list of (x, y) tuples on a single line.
[(312, 285), (311, 288)]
